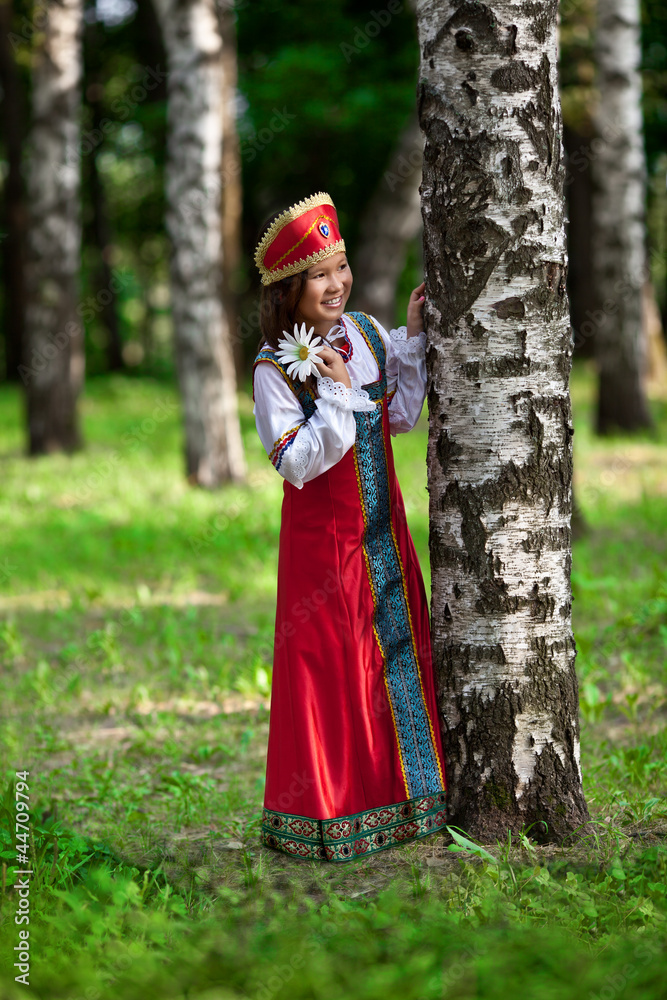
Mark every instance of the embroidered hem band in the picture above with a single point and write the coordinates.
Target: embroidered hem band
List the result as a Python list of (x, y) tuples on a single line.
[(346, 837)]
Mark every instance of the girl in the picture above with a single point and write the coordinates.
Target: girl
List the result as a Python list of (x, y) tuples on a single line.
[(355, 759)]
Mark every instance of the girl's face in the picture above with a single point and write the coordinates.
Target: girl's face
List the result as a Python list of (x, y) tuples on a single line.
[(327, 290)]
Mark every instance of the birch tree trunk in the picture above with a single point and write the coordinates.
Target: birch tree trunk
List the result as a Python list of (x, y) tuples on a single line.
[(392, 219), (53, 367), (204, 357), (499, 453), (619, 259), (12, 117)]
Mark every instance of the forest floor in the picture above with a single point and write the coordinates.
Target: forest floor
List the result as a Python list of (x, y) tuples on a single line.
[(136, 619)]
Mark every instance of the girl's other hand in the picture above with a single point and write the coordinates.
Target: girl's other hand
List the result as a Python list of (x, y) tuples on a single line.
[(415, 322), (333, 366)]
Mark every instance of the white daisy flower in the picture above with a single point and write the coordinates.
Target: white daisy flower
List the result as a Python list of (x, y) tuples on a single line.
[(299, 352)]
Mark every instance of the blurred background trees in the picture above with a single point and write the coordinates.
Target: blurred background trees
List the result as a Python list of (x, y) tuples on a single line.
[(619, 218), (194, 184), (323, 101), (53, 352)]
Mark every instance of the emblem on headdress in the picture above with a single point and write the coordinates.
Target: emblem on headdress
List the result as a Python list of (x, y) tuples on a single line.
[(303, 234)]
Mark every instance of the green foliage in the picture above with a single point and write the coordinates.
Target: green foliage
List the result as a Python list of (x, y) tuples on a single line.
[(654, 65), (350, 91), (135, 650), (474, 932), (341, 77)]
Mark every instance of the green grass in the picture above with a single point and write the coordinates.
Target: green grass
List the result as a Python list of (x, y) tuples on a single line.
[(135, 647)]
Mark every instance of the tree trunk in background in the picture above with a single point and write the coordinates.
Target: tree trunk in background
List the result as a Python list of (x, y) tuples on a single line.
[(100, 231), (656, 350), (54, 362), (14, 209), (204, 357), (619, 172), (579, 202), (499, 454), (391, 221), (232, 195), (149, 42), (102, 240)]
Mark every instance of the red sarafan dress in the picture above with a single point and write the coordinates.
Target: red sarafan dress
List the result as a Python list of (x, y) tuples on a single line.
[(355, 761)]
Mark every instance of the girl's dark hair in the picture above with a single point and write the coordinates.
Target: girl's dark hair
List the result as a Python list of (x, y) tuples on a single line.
[(278, 305), (278, 301)]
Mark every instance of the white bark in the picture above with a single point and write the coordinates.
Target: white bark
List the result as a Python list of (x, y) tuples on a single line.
[(619, 255), (214, 450), (391, 221), (53, 366), (500, 462)]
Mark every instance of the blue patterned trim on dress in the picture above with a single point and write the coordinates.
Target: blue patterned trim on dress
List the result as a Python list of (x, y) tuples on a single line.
[(344, 838), (301, 391), (367, 329), (392, 621)]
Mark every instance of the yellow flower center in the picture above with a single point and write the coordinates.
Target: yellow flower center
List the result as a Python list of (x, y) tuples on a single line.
[(303, 353)]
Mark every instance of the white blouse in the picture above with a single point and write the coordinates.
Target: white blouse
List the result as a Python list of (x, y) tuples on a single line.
[(301, 448)]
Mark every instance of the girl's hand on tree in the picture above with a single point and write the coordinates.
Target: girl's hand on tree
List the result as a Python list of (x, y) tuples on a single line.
[(333, 366), (415, 310)]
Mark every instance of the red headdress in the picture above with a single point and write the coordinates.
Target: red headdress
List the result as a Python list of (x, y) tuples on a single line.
[(300, 236)]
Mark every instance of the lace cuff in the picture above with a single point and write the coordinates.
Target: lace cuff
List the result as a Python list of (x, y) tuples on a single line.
[(405, 346), (296, 462), (354, 398)]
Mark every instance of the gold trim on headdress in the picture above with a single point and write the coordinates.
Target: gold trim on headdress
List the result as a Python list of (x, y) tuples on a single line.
[(268, 277), (289, 215)]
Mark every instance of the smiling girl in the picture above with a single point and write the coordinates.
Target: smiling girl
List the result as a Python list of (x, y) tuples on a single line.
[(355, 761)]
